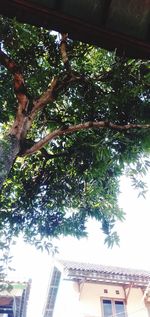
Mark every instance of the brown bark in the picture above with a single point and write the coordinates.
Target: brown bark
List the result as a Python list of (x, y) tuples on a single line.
[(10, 145), (20, 124), (47, 96), (9, 149), (83, 126), (63, 51)]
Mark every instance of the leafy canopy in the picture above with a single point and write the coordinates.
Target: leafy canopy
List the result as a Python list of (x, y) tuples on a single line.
[(74, 176)]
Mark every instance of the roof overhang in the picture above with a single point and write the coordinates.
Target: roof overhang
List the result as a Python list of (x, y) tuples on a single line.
[(106, 278), (109, 24)]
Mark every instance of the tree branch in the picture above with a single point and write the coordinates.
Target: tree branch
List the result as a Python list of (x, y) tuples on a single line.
[(83, 126), (6, 61), (63, 51), (47, 96), (20, 91), (56, 86), (24, 118), (53, 156)]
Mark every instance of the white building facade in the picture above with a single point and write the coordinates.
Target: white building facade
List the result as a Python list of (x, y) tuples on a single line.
[(88, 290)]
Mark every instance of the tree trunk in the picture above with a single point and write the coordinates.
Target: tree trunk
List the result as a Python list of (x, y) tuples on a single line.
[(9, 149)]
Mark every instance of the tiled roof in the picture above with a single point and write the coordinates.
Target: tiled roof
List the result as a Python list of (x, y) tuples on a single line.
[(6, 301), (96, 273), (19, 294), (97, 268)]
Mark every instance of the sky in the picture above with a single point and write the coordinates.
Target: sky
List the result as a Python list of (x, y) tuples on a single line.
[(133, 251)]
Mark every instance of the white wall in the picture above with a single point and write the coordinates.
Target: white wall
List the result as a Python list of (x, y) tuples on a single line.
[(136, 306), (67, 302), (84, 300), (92, 294)]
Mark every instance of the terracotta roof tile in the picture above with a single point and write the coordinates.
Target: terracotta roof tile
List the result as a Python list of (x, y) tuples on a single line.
[(5, 301), (79, 266)]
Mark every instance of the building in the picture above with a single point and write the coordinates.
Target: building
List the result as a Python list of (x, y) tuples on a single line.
[(13, 302), (89, 290)]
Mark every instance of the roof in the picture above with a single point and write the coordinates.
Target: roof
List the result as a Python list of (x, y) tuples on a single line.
[(102, 273), (6, 301), (16, 289), (81, 266), (19, 294), (109, 24)]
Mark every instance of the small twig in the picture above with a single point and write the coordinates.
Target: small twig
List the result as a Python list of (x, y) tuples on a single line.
[(53, 156)]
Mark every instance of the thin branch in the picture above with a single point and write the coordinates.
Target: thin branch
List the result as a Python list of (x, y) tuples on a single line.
[(63, 51), (57, 84), (53, 156), (46, 97), (83, 126)]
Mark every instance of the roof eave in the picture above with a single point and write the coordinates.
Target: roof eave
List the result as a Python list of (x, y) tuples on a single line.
[(78, 30)]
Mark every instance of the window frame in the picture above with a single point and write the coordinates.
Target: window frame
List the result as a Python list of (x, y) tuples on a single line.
[(113, 300), (52, 292)]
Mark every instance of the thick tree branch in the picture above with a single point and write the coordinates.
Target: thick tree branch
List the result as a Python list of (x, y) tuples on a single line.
[(56, 86), (6, 61), (83, 126), (21, 94), (9, 149), (23, 118)]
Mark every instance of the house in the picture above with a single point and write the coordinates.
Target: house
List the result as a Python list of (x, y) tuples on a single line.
[(13, 302), (89, 290)]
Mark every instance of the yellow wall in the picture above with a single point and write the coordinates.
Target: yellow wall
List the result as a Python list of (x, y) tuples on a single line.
[(84, 300), (92, 294), (136, 304)]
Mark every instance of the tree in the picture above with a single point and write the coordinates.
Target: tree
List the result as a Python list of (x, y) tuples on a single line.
[(73, 117), (5, 259)]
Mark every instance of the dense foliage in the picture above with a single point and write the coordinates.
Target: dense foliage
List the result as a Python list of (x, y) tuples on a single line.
[(75, 175)]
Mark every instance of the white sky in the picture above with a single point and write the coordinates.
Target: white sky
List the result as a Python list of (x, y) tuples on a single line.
[(133, 251)]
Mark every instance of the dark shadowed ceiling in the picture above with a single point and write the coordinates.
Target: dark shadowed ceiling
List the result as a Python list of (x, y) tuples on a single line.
[(121, 24)]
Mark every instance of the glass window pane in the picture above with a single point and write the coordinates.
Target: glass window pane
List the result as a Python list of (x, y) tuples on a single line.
[(107, 308), (55, 276), (119, 308)]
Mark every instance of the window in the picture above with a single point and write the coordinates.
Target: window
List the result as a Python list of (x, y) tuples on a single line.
[(117, 292), (53, 288), (105, 291), (113, 308), (107, 307)]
